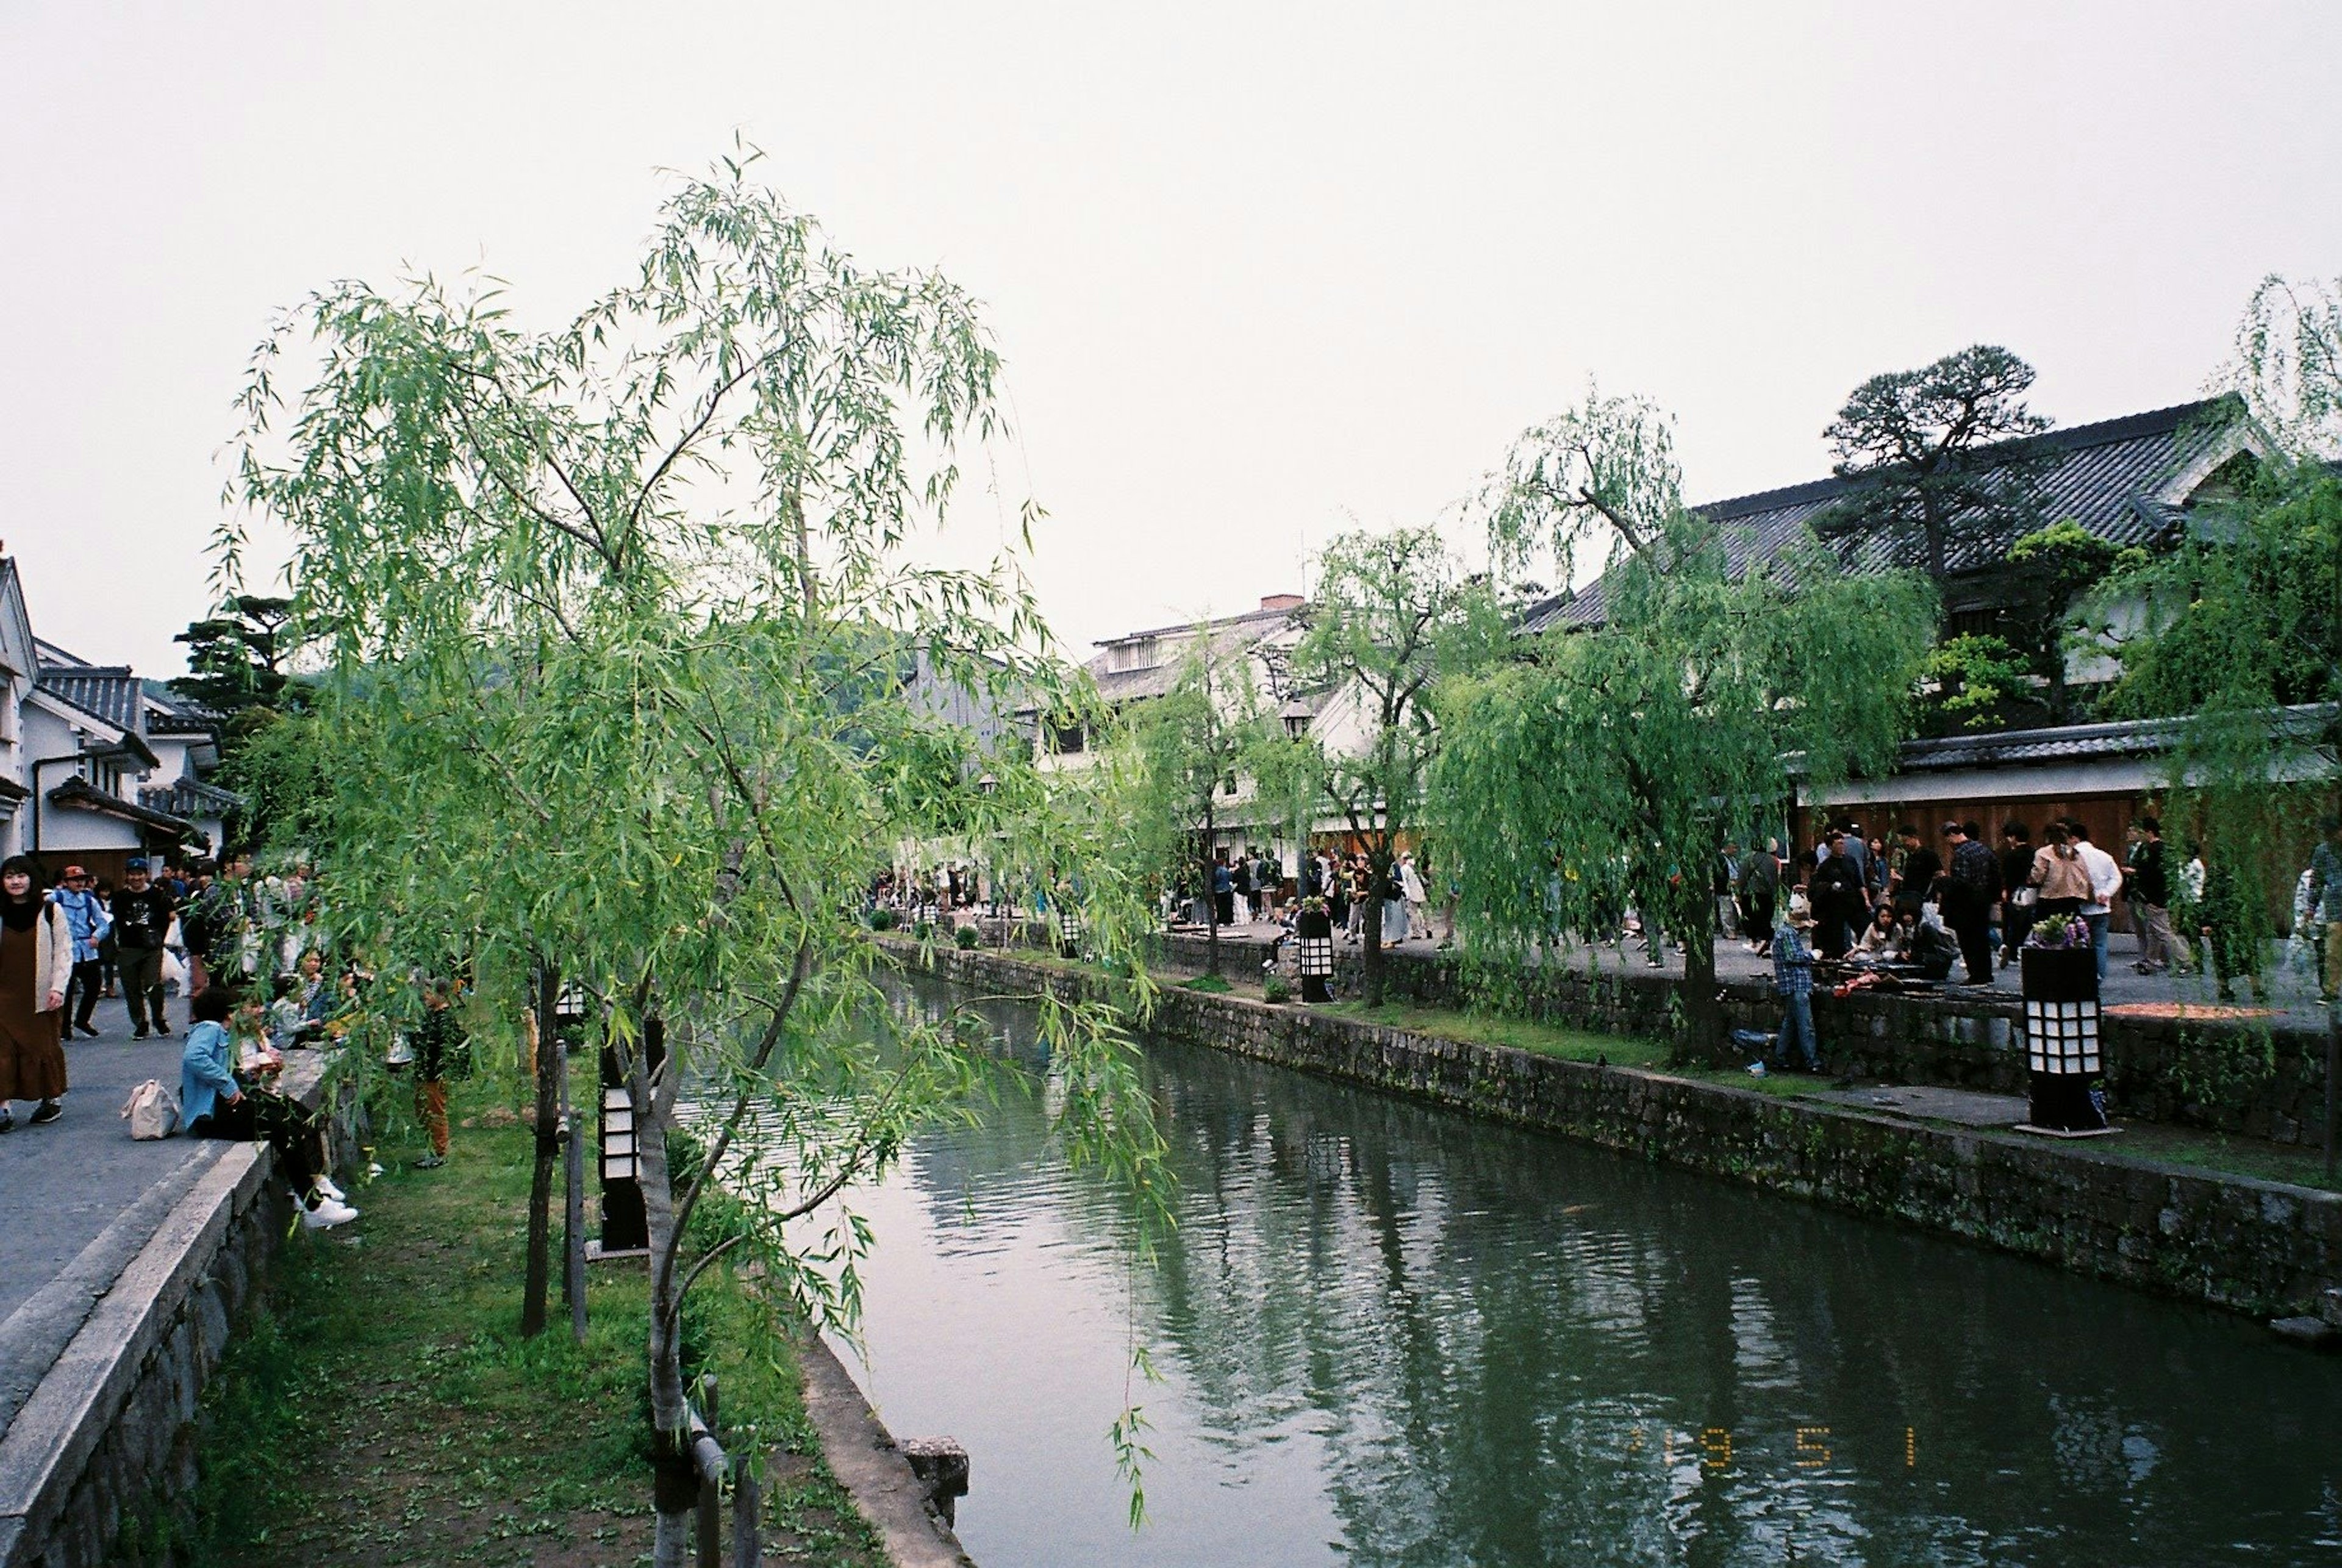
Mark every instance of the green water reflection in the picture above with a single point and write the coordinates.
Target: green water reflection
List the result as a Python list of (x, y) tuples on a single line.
[(1393, 1334)]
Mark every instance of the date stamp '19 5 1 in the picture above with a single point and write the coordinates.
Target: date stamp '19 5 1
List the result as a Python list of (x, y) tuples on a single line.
[(1809, 1447)]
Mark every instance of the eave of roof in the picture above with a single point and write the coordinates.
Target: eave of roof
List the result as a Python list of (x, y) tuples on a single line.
[(80, 792), (121, 739)]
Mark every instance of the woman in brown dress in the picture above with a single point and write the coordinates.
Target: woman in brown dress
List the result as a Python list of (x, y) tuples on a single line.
[(35, 961)]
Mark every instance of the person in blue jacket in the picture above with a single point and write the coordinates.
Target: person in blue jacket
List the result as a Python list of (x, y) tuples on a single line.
[(217, 1104)]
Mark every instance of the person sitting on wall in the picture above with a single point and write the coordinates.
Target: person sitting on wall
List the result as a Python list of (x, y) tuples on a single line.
[(1932, 948), (1883, 939), (218, 1103)]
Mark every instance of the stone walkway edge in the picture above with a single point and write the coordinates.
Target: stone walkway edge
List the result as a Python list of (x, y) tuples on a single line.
[(2264, 1248), (101, 1430)]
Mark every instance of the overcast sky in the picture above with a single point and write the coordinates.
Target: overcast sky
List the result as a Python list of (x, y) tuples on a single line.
[(1257, 269)]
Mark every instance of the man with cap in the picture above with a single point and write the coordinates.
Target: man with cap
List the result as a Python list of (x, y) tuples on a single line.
[(87, 921), (142, 919)]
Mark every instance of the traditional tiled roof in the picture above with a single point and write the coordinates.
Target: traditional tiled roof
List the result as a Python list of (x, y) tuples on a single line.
[(2110, 477), (75, 792), (1229, 636), (2077, 743), (191, 798), (169, 714), (109, 691)]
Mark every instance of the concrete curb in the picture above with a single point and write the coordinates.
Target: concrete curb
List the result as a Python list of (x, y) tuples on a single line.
[(103, 1425), (864, 1456)]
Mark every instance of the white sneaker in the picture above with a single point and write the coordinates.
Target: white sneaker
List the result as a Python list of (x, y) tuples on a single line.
[(326, 1214), (326, 1188)]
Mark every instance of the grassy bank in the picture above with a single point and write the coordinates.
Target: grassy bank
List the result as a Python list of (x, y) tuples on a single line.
[(382, 1408)]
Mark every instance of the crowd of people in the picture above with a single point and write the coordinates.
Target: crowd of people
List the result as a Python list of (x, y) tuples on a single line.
[(245, 954)]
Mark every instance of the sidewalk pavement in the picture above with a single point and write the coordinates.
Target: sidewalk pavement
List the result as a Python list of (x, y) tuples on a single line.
[(2293, 995), (62, 1185)]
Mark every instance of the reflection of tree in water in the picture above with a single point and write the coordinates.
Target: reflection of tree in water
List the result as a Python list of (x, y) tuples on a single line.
[(1508, 1345)]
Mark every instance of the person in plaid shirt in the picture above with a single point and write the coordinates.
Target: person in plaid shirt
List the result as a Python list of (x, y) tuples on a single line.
[(1793, 979)]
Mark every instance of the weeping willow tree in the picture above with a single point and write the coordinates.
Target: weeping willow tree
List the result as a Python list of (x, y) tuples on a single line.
[(609, 626), (1192, 749), (2237, 634), (1612, 761), (1394, 615)]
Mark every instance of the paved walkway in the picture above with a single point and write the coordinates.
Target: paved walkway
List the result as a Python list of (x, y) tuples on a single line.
[(2293, 995), (63, 1185), (79, 1198)]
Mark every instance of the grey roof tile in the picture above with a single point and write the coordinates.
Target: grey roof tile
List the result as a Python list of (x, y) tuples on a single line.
[(2104, 476)]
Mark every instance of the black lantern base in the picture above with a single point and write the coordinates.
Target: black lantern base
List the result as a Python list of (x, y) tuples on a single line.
[(2062, 1049)]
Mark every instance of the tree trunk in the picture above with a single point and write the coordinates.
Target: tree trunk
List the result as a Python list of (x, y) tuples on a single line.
[(1703, 1014), (548, 1152), (675, 1483), (573, 1241), (1211, 896)]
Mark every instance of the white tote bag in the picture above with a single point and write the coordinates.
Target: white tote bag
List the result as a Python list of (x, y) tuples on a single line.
[(152, 1111)]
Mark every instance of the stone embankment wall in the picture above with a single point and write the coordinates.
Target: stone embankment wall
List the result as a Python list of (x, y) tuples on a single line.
[(2259, 1247), (110, 1431), (1970, 1042)]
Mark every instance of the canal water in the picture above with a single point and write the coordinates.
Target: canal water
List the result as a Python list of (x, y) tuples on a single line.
[(1392, 1334)]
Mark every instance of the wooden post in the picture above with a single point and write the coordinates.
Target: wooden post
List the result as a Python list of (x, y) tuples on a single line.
[(747, 1544), (711, 1516), (2332, 1061)]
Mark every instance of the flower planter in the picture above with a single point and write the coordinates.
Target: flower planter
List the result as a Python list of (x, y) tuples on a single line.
[(2064, 1063)]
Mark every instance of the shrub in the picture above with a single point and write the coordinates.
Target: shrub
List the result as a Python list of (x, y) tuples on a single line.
[(1210, 982), (966, 937), (1274, 988), (924, 930), (882, 920)]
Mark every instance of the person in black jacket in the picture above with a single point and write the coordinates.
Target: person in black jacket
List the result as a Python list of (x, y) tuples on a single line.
[(1971, 887), (142, 919), (1839, 903), (1915, 880)]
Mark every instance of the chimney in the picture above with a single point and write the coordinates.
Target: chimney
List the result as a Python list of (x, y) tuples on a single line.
[(1281, 601)]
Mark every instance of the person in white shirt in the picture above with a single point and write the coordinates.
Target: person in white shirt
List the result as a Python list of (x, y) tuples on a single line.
[(2105, 881)]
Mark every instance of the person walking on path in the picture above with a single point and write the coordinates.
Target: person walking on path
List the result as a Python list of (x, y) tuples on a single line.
[(85, 918), (35, 969), (1971, 886), (2147, 883), (2105, 881), (142, 922), (2325, 906), (1419, 914), (1760, 890), (1792, 981), (438, 1039), (2063, 880), (2017, 890)]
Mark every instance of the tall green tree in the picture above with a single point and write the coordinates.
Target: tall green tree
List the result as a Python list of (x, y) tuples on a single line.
[(1610, 765), (2018, 671), (1198, 745), (1393, 614), (237, 657), (608, 620), (2241, 637), (1914, 442)]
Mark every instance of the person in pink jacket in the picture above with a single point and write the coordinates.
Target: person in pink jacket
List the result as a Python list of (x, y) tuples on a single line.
[(35, 966)]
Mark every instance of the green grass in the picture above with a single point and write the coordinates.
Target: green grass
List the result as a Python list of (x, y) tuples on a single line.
[(1521, 1033), (383, 1409), (1215, 984)]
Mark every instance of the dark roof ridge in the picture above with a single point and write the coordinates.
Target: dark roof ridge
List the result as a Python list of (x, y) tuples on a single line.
[(2069, 438), (1210, 625)]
